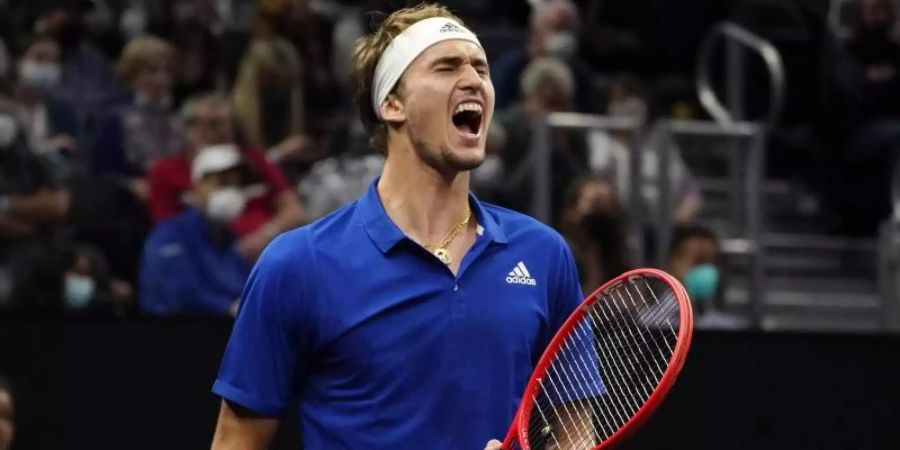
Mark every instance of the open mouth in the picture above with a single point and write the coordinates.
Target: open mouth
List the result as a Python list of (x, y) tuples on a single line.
[(467, 118)]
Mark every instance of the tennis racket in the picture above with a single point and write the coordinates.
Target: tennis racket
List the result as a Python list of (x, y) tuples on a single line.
[(609, 366)]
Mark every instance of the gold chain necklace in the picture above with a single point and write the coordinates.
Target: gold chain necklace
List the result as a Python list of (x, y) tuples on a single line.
[(441, 251)]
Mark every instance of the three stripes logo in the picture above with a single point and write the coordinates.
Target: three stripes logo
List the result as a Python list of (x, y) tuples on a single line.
[(448, 27), (520, 275)]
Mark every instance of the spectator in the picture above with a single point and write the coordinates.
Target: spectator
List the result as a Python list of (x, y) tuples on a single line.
[(88, 84), (89, 286), (146, 129), (547, 86), (695, 259), (32, 208), (274, 208), (610, 156), (51, 126), (191, 263), (195, 33), (867, 83), (592, 223), (311, 33), (554, 33), (7, 414), (268, 93)]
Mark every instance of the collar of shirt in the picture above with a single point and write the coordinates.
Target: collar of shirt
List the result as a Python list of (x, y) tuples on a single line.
[(386, 234)]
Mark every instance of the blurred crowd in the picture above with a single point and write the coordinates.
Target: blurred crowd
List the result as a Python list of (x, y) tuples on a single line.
[(150, 149)]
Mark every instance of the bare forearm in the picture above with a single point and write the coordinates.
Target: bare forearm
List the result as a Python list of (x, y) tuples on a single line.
[(11, 228), (240, 429), (42, 208)]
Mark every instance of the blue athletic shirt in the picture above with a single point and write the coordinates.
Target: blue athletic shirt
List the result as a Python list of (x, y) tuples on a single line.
[(381, 346)]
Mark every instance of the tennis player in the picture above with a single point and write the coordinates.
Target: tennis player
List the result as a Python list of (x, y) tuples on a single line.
[(411, 318)]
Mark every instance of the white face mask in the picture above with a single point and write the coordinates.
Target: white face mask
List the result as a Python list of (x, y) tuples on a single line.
[(8, 131), (39, 75), (79, 291), (561, 44), (225, 204)]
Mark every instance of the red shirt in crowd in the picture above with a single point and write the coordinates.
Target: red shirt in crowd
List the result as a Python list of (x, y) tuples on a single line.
[(170, 179)]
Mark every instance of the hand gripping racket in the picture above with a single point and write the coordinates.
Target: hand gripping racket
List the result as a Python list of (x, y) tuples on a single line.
[(609, 366)]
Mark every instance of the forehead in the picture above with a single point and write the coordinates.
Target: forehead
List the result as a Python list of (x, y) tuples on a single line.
[(454, 48)]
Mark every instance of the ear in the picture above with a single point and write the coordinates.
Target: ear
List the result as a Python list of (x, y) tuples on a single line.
[(393, 109)]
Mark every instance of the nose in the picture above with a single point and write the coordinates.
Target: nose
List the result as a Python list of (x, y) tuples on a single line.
[(471, 81)]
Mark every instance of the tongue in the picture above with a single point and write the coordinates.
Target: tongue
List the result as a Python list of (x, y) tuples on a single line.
[(465, 128)]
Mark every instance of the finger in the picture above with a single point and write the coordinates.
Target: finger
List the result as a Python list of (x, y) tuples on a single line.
[(494, 445)]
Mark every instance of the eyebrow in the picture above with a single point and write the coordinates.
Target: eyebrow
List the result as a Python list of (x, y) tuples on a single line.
[(457, 61)]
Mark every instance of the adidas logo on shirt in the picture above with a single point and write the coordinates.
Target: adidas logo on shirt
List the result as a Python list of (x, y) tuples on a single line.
[(448, 27), (520, 275)]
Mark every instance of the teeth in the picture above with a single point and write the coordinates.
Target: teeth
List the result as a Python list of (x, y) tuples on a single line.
[(469, 106)]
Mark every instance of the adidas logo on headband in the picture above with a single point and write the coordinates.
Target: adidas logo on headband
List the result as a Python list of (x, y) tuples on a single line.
[(449, 27)]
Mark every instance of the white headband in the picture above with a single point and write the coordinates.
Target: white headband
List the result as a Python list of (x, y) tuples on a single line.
[(406, 47)]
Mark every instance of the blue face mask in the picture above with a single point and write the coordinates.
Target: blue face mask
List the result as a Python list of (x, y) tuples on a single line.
[(702, 282), (79, 291)]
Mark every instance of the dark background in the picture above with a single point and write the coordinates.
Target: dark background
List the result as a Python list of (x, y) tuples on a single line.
[(144, 384)]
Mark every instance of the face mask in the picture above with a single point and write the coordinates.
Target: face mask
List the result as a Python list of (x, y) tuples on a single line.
[(145, 102), (561, 44), (702, 282), (225, 205), (39, 75), (79, 291), (8, 131), (133, 22)]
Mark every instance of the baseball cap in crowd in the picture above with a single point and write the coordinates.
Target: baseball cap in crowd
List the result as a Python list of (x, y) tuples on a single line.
[(214, 159)]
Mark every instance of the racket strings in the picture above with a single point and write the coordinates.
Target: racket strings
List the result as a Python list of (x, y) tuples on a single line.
[(607, 368)]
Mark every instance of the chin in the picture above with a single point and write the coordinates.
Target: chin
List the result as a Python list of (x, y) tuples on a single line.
[(464, 159)]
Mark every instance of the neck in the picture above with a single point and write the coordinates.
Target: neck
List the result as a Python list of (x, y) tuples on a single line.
[(424, 202), (27, 96)]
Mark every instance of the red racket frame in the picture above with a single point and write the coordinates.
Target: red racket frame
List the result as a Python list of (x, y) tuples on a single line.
[(679, 354)]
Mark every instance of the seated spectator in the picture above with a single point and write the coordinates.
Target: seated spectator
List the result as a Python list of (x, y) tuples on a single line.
[(51, 126), (273, 209), (200, 56), (696, 261), (547, 86), (145, 130), (866, 80), (609, 154), (268, 92), (7, 414), (191, 264), (89, 286), (869, 72), (88, 83), (554, 29), (592, 223), (32, 208)]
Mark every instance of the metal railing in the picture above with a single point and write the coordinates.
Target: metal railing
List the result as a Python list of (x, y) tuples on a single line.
[(541, 150), (737, 37)]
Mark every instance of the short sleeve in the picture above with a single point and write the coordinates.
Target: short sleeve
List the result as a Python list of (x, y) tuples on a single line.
[(568, 293), (264, 359), (579, 351)]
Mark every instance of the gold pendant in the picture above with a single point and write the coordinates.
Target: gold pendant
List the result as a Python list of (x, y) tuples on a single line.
[(443, 255)]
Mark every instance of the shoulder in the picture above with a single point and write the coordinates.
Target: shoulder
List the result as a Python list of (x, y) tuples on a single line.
[(171, 237), (296, 248), (170, 164), (174, 227)]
